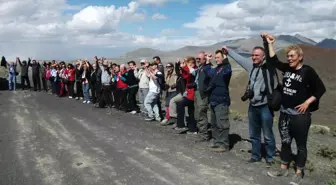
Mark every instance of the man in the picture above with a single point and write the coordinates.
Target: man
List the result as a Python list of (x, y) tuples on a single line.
[(43, 76), (143, 84), (133, 87), (24, 73), (157, 60), (153, 95), (96, 88), (36, 74), (259, 114), (203, 76), (219, 100), (106, 83), (12, 75)]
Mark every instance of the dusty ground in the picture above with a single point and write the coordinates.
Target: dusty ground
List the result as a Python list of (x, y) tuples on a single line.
[(45, 140)]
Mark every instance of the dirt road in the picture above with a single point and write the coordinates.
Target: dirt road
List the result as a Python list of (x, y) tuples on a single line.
[(45, 140)]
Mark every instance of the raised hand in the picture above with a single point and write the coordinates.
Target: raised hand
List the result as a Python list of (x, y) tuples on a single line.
[(225, 50)]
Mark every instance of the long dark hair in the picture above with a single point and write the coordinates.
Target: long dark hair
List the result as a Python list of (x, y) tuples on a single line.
[(3, 62)]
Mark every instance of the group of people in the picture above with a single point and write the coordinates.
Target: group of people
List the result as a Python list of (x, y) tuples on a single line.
[(201, 88)]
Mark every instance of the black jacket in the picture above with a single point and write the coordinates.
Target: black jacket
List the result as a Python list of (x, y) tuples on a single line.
[(204, 78), (180, 82)]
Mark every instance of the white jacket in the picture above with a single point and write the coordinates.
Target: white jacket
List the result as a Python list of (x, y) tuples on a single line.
[(143, 78)]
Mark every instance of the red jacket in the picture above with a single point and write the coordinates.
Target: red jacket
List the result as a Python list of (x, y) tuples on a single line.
[(71, 74), (190, 80), (120, 83)]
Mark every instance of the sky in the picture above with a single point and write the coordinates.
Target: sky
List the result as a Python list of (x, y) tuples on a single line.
[(70, 29)]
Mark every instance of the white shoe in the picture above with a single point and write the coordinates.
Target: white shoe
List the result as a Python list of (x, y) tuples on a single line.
[(164, 121), (134, 112), (81, 98), (84, 101), (88, 102), (70, 97), (77, 98)]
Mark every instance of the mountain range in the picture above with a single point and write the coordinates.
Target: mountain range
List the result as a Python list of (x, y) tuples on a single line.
[(242, 46)]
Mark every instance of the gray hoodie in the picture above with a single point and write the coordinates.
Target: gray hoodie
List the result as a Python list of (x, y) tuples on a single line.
[(257, 82)]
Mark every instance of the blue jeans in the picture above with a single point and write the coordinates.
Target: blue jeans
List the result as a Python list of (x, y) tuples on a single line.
[(86, 92), (12, 80), (261, 119)]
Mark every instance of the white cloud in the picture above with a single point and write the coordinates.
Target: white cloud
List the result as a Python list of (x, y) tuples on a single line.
[(158, 16), (245, 18), (159, 2), (168, 31)]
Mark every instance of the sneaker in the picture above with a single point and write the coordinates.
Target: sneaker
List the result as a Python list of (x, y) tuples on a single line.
[(84, 101), (192, 133), (251, 160), (88, 102), (174, 126), (278, 173), (81, 98), (133, 112), (220, 149), (297, 179), (158, 119), (77, 98), (164, 121), (269, 164), (181, 130), (70, 97), (149, 119)]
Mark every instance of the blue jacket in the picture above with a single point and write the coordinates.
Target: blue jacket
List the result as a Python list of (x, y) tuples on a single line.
[(219, 84), (202, 80)]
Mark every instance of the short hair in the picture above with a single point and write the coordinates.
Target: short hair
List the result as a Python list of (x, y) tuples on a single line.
[(157, 58), (261, 48), (131, 62), (295, 48), (114, 64), (191, 59), (219, 51)]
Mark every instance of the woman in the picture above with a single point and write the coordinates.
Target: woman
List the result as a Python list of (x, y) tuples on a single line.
[(170, 88), (120, 98), (54, 76), (71, 80), (63, 79), (187, 70), (47, 76), (301, 92), (79, 90), (85, 81)]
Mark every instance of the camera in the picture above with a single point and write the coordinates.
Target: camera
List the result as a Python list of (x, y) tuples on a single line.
[(249, 94)]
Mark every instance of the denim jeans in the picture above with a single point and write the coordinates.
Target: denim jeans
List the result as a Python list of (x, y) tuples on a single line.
[(151, 104), (142, 95), (86, 92), (12, 81), (261, 119)]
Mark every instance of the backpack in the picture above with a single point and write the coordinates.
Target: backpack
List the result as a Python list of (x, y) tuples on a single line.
[(273, 98)]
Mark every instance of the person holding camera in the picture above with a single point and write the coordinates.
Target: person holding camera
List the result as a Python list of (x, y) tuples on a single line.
[(301, 93), (260, 115)]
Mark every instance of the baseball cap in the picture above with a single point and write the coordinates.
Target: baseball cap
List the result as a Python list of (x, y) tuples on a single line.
[(153, 63)]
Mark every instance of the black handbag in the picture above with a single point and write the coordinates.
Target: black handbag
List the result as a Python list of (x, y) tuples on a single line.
[(273, 98)]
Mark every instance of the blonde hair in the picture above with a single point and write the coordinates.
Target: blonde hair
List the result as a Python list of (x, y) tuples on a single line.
[(190, 59), (295, 48)]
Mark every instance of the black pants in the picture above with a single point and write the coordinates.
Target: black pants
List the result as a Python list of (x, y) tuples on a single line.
[(44, 84), (79, 90), (36, 82), (131, 97), (23, 79), (98, 92), (297, 127), (71, 89), (120, 98), (191, 122), (107, 95)]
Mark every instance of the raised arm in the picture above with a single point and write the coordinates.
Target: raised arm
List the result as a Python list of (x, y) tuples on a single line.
[(18, 60), (29, 62), (246, 63), (273, 57)]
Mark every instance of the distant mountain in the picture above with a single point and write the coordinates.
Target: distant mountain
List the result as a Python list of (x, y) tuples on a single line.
[(305, 39), (296, 40), (243, 46), (327, 43)]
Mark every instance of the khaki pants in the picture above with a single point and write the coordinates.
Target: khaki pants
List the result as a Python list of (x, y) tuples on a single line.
[(173, 104)]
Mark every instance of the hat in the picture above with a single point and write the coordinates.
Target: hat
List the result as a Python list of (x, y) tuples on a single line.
[(143, 61), (105, 63), (153, 63)]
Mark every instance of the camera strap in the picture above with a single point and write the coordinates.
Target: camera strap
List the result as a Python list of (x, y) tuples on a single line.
[(255, 78)]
